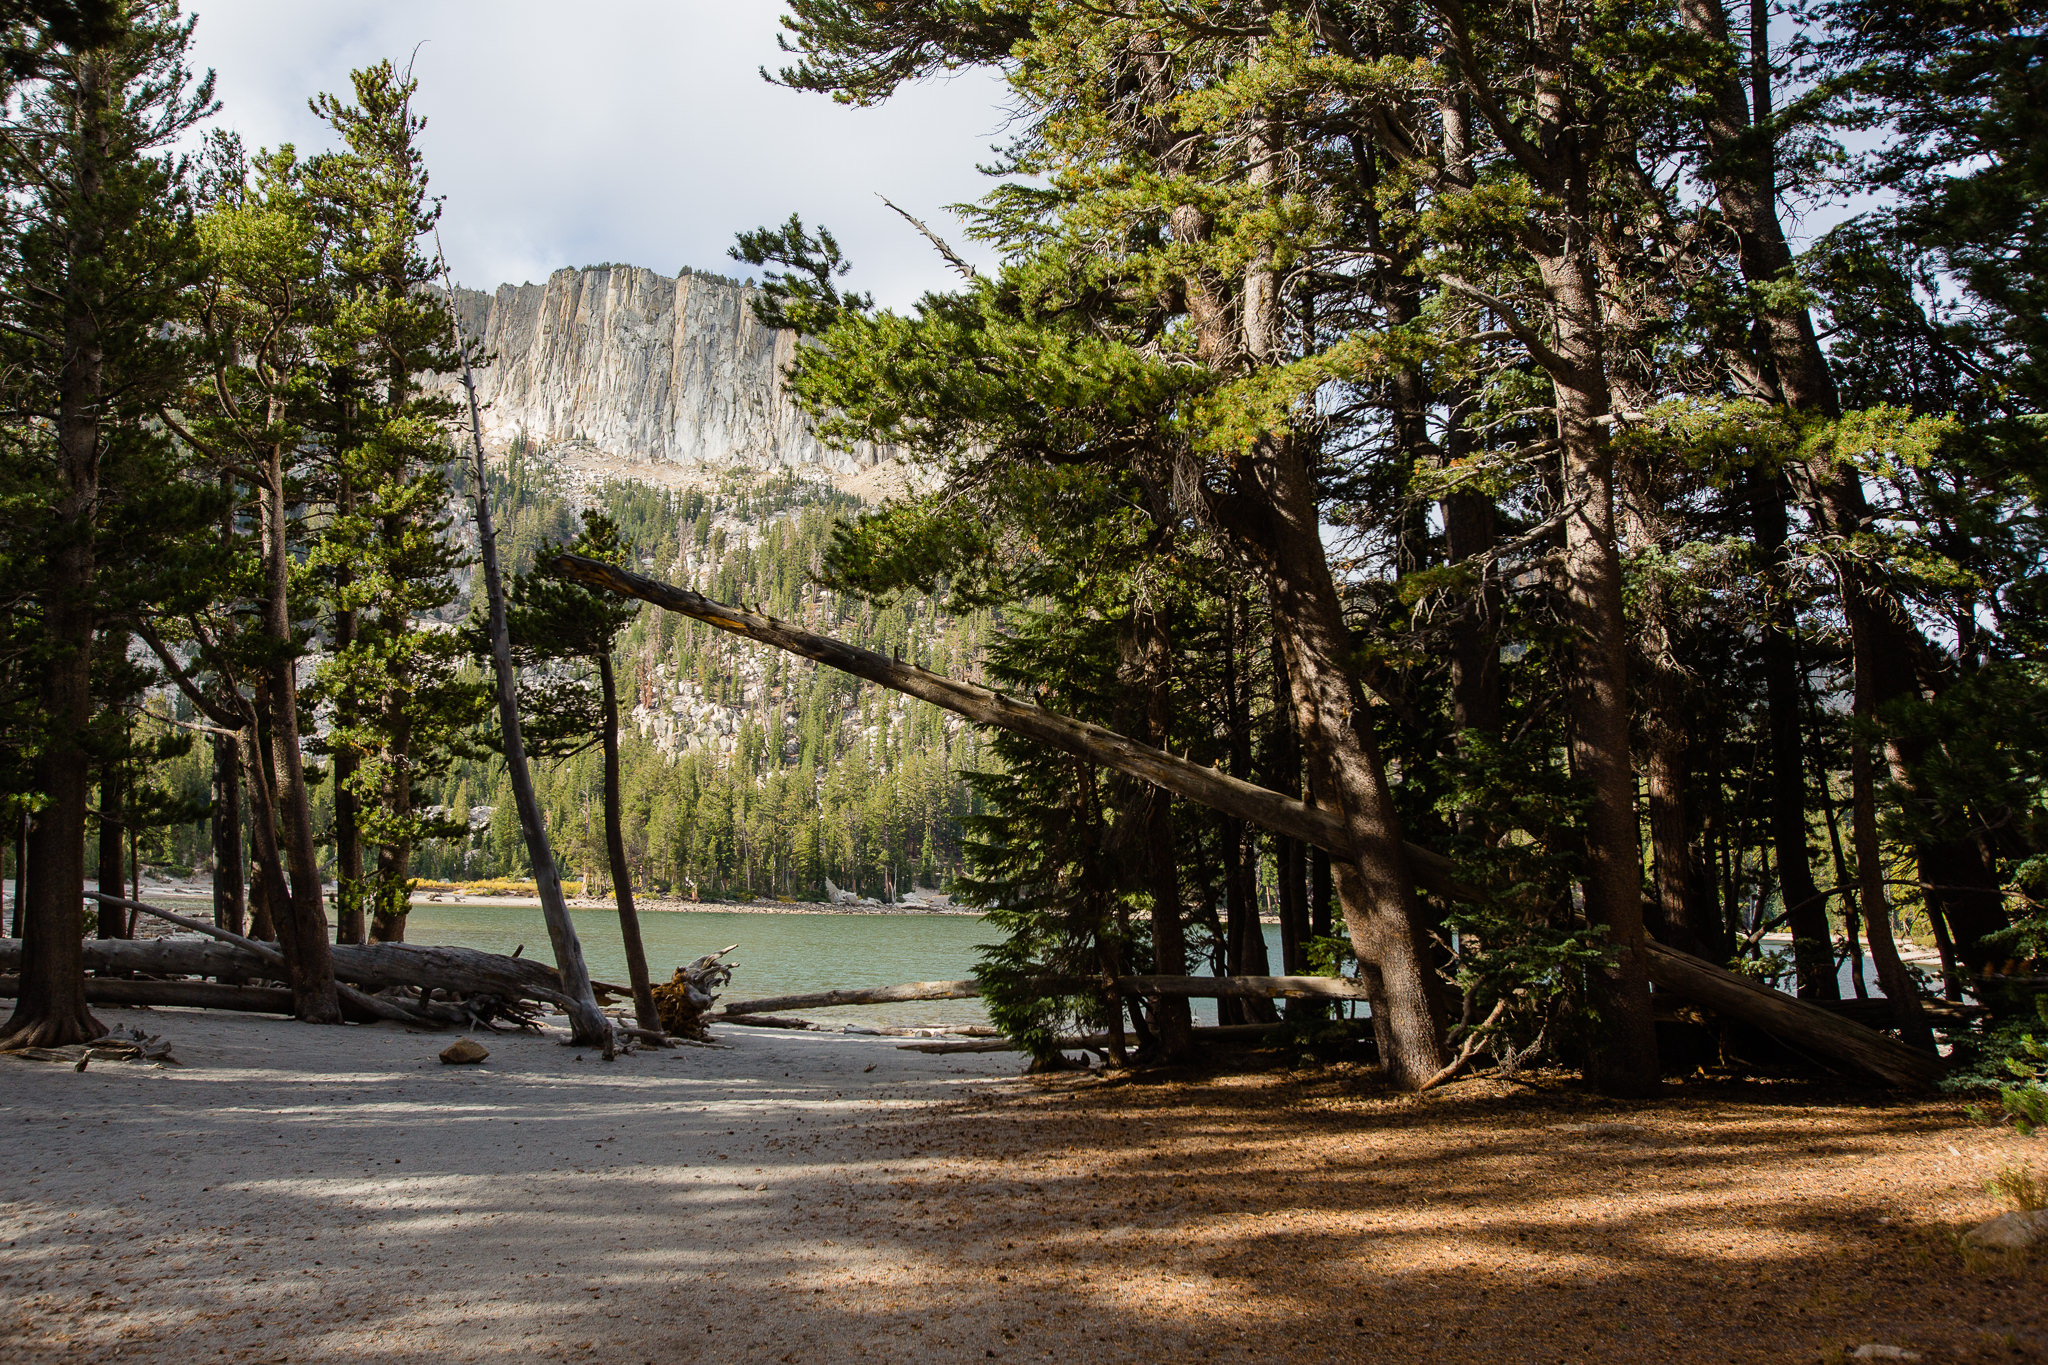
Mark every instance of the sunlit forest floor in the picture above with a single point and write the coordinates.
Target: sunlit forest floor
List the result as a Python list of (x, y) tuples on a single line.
[(303, 1194)]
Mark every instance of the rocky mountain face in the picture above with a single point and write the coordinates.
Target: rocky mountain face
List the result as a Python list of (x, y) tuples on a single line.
[(642, 367)]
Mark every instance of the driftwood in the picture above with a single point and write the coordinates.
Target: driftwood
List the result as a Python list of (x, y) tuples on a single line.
[(685, 1001), (1862, 1049), (212, 995), (762, 1021), (873, 995)]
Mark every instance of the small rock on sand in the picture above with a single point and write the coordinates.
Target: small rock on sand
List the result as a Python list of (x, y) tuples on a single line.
[(1877, 1351), (2009, 1232), (464, 1050)]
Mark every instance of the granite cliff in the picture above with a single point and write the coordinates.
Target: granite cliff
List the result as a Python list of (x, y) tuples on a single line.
[(643, 368)]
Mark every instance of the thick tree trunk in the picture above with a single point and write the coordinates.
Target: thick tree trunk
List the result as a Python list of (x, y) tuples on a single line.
[(1171, 1019), (1376, 884), (51, 1009), (1625, 1060), (644, 1011), (301, 920)]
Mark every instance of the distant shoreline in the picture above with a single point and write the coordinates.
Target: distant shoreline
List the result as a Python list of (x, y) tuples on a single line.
[(660, 905)]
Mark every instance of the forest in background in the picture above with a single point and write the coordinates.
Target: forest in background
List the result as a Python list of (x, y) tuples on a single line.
[(743, 775)]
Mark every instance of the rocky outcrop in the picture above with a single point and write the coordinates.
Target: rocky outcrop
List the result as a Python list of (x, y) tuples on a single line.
[(643, 367)]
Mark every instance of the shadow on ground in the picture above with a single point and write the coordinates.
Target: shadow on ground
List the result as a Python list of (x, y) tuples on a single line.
[(310, 1195)]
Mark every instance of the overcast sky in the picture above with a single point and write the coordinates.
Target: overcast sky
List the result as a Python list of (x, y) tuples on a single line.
[(635, 131)]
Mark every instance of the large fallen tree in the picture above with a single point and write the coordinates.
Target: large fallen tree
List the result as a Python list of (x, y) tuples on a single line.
[(1798, 1022), (425, 984)]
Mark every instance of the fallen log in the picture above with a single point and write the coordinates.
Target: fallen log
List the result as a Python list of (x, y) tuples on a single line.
[(764, 1021), (1246, 987), (1864, 1050), (152, 956), (871, 995), (211, 995)]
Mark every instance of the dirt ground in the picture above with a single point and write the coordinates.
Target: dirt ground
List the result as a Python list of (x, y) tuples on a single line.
[(302, 1194)]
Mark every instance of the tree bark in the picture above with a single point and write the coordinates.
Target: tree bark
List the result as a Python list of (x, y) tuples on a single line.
[(1171, 1020), (1375, 883), (229, 905), (1805, 912), (1625, 1060), (644, 1011), (112, 799), (587, 1023), (301, 919), (1875, 902), (51, 1009)]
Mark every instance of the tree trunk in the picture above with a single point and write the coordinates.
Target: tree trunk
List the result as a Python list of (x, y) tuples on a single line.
[(1688, 918), (229, 905), (112, 799), (1376, 884), (1899, 987), (350, 921), (301, 920), (51, 1009), (1172, 1019), (1806, 914), (587, 1023), (644, 1011), (1625, 1060)]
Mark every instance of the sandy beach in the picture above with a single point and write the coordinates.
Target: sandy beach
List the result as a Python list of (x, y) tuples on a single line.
[(306, 1194)]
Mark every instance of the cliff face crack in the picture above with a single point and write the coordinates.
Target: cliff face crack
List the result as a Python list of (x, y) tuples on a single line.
[(644, 367)]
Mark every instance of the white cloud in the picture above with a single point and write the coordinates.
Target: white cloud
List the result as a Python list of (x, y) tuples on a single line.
[(636, 131)]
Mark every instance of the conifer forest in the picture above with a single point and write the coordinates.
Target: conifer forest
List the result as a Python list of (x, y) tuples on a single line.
[(1436, 416), (1497, 551)]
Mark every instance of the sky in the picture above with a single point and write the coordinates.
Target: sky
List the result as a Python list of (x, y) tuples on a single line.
[(627, 131)]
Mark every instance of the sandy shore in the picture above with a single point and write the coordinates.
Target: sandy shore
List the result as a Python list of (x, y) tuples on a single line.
[(302, 1194)]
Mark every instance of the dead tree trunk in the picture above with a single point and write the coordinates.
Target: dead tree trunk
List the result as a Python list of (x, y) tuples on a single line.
[(587, 1023)]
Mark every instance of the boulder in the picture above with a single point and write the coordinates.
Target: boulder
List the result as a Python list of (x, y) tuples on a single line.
[(2009, 1232), (464, 1051)]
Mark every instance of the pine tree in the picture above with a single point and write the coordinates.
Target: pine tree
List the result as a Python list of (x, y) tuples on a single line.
[(405, 700), (90, 279)]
